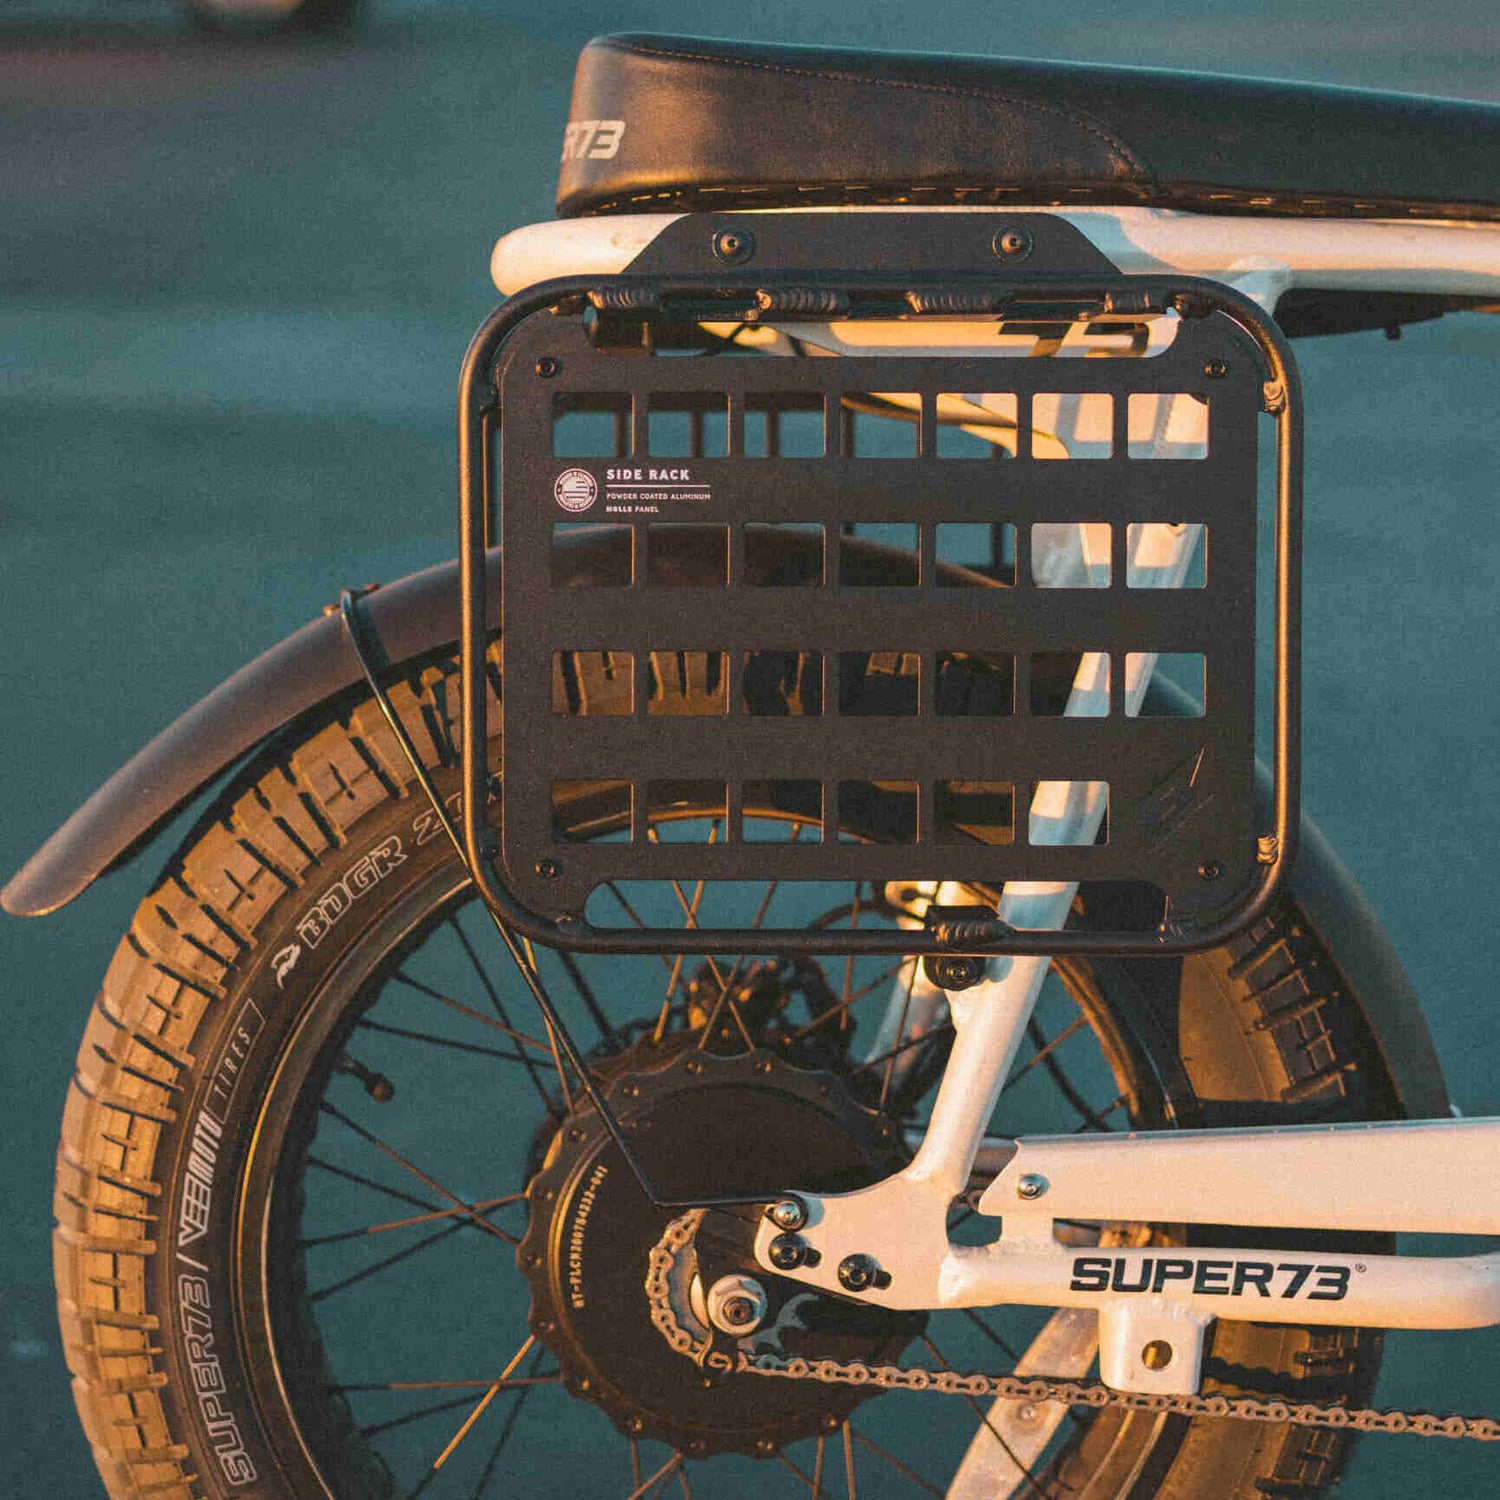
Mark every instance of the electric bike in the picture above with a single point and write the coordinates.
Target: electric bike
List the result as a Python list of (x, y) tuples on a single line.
[(796, 965)]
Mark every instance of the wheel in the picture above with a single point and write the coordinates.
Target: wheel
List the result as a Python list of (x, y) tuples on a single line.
[(261, 17), (328, 1224)]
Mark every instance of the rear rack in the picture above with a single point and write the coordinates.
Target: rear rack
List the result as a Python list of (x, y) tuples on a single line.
[(743, 652)]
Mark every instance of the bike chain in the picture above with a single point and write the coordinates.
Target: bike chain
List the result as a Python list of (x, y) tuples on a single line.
[(679, 1235)]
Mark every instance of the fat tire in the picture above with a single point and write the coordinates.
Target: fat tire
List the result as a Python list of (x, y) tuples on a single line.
[(1265, 1028)]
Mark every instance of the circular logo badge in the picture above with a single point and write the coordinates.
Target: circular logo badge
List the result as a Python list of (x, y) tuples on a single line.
[(575, 490)]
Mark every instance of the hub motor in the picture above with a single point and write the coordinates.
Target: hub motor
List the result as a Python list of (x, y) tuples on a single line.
[(702, 1125)]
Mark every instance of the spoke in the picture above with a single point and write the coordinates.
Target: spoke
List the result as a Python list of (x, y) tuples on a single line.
[(631, 912), (808, 1480), (890, 1062), (586, 994), (510, 1426), (844, 1005), (381, 1265), (682, 1480), (419, 1174), (369, 1182), (991, 1335), (1096, 1120), (1043, 1052), (897, 1465), (817, 1481), (428, 1218), (849, 962), (916, 1041), (994, 1432), (521, 1386), (484, 1401), (849, 1461), (443, 1041), (468, 1010), (665, 1472), (635, 1462), (492, 993)]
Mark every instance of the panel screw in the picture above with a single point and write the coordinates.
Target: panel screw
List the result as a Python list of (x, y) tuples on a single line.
[(786, 1252), (858, 1273), (1013, 243), (1031, 1186), (789, 1213), (1210, 870), (548, 869), (1216, 369), (547, 367), (734, 246)]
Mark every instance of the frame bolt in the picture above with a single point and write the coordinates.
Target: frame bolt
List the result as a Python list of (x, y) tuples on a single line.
[(737, 1304), (858, 1273), (950, 971), (548, 869), (734, 246), (547, 367), (1031, 1186), (786, 1252), (1216, 369), (1013, 242), (789, 1213)]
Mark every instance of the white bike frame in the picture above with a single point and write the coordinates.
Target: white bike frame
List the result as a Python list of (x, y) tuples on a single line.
[(1153, 1303)]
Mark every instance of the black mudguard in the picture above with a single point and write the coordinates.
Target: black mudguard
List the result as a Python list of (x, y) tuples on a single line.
[(418, 614)]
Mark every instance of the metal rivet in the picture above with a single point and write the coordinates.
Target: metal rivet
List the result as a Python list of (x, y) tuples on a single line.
[(1157, 1355), (765, 1447), (1014, 242), (547, 367), (634, 1424), (693, 1065), (1030, 1186), (1210, 870), (1216, 369), (734, 246), (548, 869)]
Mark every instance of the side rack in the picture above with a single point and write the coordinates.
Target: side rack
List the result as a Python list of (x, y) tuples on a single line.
[(881, 617)]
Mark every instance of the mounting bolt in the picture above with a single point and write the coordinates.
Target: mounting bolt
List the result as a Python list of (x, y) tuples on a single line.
[(734, 246), (634, 1424), (548, 869), (737, 1304), (693, 1065), (1013, 242), (1210, 869), (764, 1447), (1031, 1186), (789, 1213), (1216, 369), (786, 1252), (547, 367), (858, 1273), (951, 971)]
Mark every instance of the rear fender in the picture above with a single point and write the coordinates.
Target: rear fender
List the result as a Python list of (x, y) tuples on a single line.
[(419, 614)]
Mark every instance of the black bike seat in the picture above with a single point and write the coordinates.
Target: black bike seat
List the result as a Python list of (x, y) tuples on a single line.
[(663, 122)]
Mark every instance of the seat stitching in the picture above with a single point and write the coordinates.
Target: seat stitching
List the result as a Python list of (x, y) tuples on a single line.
[(1082, 122)]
